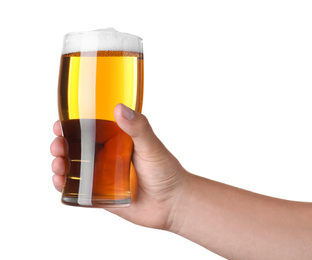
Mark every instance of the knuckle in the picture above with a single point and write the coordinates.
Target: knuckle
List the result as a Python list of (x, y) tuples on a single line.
[(145, 125)]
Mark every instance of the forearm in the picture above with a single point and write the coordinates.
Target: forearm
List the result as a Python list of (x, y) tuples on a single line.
[(238, 224)]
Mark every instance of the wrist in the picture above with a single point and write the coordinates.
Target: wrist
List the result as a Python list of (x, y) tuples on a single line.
[(180, 208)]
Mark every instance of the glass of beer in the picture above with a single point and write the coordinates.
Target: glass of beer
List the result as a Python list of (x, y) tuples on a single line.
[(98, 70)]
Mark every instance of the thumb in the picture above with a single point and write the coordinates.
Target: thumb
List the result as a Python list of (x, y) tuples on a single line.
[(138, 128)]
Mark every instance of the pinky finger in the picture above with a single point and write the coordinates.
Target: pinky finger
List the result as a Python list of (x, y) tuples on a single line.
[(58, 182)]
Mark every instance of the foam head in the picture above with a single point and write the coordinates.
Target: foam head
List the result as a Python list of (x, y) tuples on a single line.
[(101, 40)]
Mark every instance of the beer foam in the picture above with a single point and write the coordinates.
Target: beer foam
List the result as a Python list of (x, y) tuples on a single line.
[(101, 40)]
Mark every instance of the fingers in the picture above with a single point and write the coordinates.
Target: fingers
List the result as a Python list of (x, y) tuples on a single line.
[(137, 126), (60, 165), (59, 147), (133, 123), (58, 182), (57, 129)]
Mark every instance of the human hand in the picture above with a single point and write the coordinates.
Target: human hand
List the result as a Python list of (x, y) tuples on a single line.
[(159, 174)]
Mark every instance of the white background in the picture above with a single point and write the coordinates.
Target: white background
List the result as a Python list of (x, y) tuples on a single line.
[(227, 89)]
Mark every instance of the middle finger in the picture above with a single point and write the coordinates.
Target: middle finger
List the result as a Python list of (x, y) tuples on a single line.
[(59, 147)]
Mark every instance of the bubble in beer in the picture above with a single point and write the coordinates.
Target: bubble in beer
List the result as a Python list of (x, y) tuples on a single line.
[(101, 40)]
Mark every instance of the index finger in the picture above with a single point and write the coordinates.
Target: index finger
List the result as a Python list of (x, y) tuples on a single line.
[(57, 129)]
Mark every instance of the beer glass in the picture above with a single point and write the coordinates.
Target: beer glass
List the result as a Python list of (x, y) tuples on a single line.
[(98, 70)]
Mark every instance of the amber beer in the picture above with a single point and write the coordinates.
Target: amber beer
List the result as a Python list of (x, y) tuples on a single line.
[(98, 70)]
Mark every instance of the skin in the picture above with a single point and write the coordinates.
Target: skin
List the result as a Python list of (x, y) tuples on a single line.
[(234, 223)]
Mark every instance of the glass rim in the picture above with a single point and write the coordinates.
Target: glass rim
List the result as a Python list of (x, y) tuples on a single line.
[(109, 30), (104, 39)]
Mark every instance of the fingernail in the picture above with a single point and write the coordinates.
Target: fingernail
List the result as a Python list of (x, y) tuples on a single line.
[(127, 113)]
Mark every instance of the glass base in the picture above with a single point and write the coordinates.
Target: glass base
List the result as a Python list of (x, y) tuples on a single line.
[(96, 203)]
